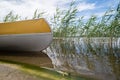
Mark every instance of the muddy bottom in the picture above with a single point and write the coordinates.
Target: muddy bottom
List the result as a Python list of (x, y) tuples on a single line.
[(34, 58)]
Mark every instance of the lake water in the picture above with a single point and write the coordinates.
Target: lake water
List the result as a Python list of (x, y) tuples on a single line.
[(97, 58)]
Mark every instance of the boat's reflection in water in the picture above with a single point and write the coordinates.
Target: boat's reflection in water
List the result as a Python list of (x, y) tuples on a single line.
[(93, 57)]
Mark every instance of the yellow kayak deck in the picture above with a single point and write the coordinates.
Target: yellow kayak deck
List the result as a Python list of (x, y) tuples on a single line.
[(25, 27)]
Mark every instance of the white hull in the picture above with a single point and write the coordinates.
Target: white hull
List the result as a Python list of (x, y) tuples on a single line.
[(25, 42)]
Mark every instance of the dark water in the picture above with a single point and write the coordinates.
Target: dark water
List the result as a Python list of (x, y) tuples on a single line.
[(97, 58)]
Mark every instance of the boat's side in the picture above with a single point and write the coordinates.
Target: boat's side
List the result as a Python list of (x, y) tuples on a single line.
[(25, 42), (28, 35)]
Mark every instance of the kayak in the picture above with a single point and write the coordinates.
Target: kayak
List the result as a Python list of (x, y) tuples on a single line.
[(26, 35)]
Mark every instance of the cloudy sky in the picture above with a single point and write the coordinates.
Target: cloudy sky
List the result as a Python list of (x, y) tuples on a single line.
[(26, 8)]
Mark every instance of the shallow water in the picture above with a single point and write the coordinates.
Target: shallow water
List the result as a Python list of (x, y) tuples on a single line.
[(98, 58)]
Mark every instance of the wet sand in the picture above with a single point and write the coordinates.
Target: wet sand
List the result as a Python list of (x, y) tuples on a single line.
[(34, 58), (9, 72)]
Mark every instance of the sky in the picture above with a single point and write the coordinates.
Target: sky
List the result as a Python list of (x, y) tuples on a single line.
[(26, 8)]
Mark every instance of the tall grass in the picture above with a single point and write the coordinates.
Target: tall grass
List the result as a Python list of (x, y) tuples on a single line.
[(10, 17), (64, 21), (67, 24)]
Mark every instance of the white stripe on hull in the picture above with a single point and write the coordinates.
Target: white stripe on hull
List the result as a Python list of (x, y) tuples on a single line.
[(25, 42)]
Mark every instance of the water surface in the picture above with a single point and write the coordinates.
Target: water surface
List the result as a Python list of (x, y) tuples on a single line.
[(98, 58)]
